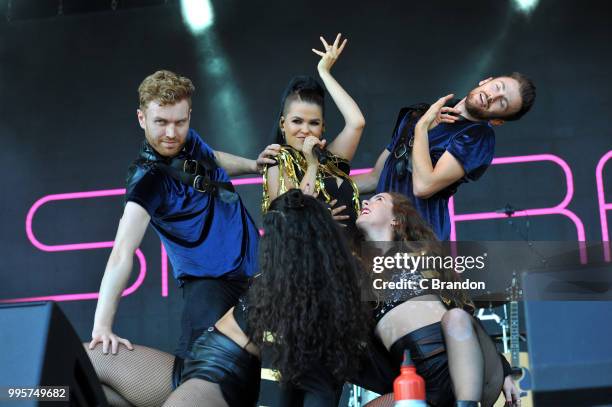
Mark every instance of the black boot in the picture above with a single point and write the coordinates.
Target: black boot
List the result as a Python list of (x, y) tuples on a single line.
[(467, 403)]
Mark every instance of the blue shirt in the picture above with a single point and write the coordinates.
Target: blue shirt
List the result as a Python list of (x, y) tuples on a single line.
[(471, 143), (203, 235)]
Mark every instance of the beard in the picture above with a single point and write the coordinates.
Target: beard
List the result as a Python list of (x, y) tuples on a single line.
[(472, 105)]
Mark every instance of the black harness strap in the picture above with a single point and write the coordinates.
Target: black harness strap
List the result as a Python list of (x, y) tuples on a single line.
[(193, 173)]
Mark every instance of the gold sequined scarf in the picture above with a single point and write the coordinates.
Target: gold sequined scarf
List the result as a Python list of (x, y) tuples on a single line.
[(292, 164)]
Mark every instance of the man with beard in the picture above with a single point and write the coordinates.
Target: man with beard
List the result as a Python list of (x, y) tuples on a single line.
[(436, 148)]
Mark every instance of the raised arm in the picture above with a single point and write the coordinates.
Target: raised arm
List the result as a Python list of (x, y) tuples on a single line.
[(132, 227), (235, 165), (427, 179), (345, 144), (367, 183)]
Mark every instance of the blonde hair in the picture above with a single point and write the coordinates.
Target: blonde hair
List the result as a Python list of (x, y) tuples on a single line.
[(166, 88)]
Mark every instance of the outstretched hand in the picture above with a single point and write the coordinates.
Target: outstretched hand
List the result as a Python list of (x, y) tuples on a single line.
[(331, 53)]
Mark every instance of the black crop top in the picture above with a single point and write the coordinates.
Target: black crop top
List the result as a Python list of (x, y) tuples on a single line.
[(344, 195), (411, 288)]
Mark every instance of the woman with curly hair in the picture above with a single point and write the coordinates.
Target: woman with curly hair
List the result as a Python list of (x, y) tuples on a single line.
[(451, 351), (299, 131), (304, 308)]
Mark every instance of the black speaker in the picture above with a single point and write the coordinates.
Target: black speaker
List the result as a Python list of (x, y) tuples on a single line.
[(39, 347), (569, 343)]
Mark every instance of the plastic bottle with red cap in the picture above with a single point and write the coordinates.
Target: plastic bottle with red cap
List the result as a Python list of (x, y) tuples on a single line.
[(409, 387)]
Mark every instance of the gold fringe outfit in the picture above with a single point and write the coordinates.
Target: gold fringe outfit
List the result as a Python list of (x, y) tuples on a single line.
[(292, 164)]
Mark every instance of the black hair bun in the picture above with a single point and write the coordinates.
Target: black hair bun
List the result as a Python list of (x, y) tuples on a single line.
[(305, 84)]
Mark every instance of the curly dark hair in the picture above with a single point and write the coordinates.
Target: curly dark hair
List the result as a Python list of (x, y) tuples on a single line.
[(302, 88), (308, 293), (411, 229)]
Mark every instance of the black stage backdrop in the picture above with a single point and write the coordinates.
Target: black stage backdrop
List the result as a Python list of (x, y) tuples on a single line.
[(68, 117)]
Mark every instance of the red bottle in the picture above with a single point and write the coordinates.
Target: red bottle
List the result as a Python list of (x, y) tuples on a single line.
[(409, 387)]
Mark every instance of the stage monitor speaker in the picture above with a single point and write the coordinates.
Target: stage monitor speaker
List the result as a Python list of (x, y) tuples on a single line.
[(569, 343), (39, 347)]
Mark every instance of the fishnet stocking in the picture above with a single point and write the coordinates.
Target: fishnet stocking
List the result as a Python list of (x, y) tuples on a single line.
[(114, 399), (143, 376), (473, 361), (196, 393), (493, 370)]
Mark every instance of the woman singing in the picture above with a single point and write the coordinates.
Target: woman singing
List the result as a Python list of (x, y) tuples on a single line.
[(300, 129)]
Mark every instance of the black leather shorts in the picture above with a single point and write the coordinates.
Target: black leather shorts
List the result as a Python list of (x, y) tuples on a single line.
[(216, 358), (206, 300), (376, 372), (317, 387), (428, 352)]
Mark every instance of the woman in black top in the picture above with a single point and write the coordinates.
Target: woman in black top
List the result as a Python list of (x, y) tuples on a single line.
[(452, 352), (305, 307)]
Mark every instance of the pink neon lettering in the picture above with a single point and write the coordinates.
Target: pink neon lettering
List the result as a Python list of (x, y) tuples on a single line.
[(603, 206), (559, 209), (164, 271), (76, 246)]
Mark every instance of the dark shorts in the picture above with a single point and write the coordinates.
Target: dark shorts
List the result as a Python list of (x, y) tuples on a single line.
[(216, 358), (206, 300), (316, 388), (379, 367), (428, 352), (376, 369)]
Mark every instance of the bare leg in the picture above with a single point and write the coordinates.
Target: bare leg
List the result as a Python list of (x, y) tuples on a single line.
[(143, 376), (195, 393)]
